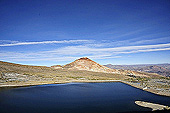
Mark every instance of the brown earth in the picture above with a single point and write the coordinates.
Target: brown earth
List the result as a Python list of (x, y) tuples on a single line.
[(90, 65)]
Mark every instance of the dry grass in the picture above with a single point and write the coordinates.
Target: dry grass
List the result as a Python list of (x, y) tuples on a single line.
[(42, 74)]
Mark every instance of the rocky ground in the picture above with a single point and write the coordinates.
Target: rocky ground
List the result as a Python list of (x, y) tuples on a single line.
[(159, 86)]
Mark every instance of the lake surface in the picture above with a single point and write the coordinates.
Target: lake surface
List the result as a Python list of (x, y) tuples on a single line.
[(76, 98)]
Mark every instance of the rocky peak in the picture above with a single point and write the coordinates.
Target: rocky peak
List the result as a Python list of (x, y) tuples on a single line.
[(87, 64), (84, 58)]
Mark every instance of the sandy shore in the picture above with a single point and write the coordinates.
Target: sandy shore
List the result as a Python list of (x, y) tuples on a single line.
[(153, 106)]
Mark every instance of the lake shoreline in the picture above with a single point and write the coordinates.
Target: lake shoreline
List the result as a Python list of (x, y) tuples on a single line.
[(75, 94), (6, 86), (3, 86), (148, 90)]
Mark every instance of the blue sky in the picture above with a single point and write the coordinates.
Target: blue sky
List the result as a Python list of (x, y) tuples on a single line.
[(49, 32)]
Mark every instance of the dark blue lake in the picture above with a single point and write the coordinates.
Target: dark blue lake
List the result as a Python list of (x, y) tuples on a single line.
[(76, 98)]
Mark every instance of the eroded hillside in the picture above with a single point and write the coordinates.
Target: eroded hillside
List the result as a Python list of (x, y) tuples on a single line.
[(90, 65)]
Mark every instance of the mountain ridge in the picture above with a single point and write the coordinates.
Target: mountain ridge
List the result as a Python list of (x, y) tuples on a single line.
[(90, 65), (162, 69), (87, 64)]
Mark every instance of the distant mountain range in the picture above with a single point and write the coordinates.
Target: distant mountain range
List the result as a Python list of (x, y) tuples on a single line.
[(162, 69)]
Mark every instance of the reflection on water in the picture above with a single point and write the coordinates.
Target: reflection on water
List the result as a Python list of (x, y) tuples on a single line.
[(76, 97)]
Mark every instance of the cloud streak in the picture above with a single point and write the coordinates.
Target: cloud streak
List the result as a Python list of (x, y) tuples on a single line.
[(44, 42), (70, 53)]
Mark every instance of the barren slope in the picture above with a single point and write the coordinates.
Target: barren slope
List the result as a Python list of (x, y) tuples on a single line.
[(89, 65)]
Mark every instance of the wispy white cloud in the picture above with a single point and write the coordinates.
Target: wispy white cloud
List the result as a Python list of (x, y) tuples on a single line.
[(70, 53), (8, 41), (148, 40), (144, 50), (132, 32), (128, 42), (43, 42)]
